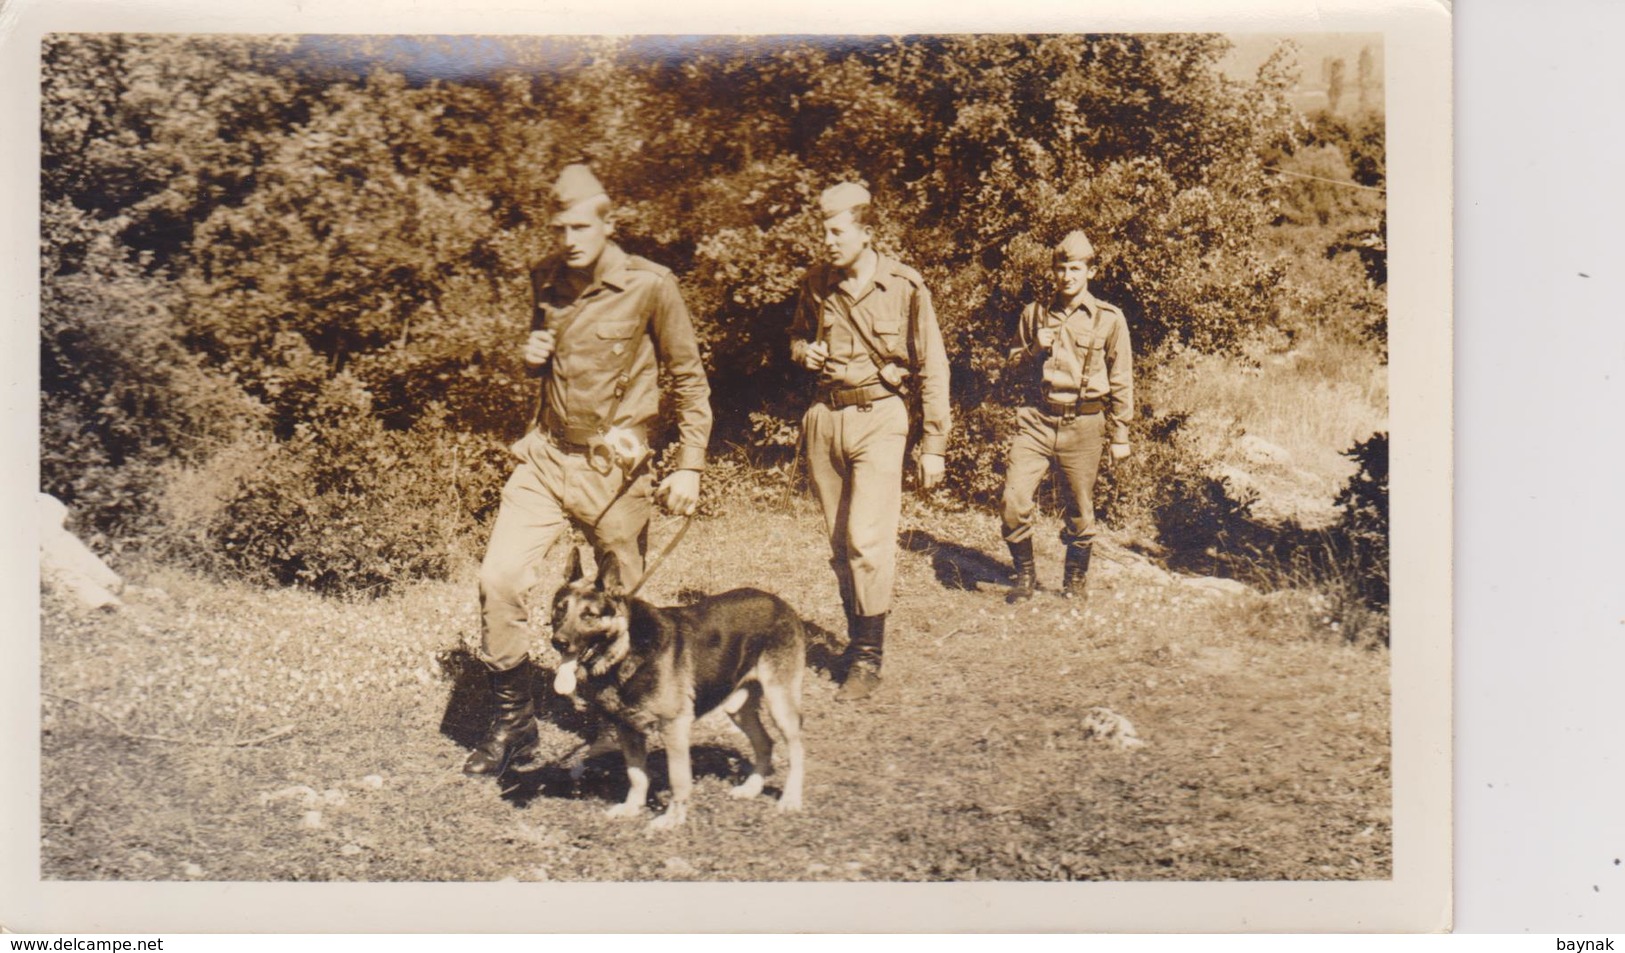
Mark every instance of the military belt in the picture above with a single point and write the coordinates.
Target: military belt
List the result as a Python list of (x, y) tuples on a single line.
[(1073, 408), (575, 439), (861, 396)]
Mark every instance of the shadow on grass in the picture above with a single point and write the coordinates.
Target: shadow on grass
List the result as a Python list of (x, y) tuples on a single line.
[(604, 779), (956, 566)]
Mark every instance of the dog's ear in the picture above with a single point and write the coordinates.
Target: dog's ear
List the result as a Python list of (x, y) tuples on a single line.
[(573, 572), (609, 576)]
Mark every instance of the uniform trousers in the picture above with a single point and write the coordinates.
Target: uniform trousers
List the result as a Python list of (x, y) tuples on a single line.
[(1075, 445), (855, 459), (551, 488)]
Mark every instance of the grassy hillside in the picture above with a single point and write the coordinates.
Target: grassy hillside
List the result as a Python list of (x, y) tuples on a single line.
[(1265, 734)]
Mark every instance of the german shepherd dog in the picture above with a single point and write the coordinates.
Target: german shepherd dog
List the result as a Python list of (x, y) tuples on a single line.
[(649, 669)]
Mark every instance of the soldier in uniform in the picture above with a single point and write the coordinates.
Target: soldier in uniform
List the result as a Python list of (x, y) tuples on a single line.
[(1076, 356), (865, 326), (604, 324)]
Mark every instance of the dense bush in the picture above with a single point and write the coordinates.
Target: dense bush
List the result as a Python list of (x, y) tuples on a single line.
[(1167, 493), (315, 249), (121, 401), (346, 505)]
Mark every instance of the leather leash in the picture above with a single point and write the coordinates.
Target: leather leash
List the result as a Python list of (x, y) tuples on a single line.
[(661, 556)]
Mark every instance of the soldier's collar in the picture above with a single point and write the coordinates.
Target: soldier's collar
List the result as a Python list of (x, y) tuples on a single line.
[(612, 268), (1087, 304), (885, 269)]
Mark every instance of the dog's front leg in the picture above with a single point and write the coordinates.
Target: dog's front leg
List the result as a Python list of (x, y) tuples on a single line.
[(635, 749), (676, 735), (605, 742)]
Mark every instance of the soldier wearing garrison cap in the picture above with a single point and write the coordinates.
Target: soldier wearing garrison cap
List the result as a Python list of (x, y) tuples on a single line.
[(604, 324), (1074, 353), (865, 326)]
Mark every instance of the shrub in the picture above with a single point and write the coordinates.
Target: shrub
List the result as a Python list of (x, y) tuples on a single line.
[(978, 455), (1167, 492), (349, 507), (346, 249), (121, 399), (1363, 525)]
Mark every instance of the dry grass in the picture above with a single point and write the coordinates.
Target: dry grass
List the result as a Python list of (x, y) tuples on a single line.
[(1309, 402), (1266, 756)]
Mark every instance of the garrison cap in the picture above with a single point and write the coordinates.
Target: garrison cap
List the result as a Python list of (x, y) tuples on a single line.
[(1074, 247), (576, 183), (839, 198)]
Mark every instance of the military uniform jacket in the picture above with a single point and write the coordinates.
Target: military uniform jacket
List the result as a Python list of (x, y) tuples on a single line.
[(895, 310), (1091, 358), (630, 305)]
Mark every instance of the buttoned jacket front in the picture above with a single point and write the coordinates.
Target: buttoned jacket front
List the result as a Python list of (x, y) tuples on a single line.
[(1095, 360), (896, 313), (630, 317)]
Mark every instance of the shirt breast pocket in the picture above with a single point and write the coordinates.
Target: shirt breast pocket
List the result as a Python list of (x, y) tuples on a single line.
[(888, 330), (616, 336), (615, 330), (1097, 350)]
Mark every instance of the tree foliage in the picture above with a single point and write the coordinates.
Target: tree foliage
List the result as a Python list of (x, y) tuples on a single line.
[(240, 231)]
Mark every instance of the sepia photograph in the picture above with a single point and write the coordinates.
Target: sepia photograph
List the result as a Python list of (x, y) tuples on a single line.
[(921, 458)]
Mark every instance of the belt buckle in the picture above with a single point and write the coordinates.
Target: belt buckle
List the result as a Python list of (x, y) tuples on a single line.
[(865, 405)]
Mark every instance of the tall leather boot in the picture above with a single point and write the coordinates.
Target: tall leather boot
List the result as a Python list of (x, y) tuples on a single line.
[(1026, 572), (864, 653), (1077, 572), (513, 727)]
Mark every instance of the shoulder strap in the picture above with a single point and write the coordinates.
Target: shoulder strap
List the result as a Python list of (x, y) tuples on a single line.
[(557, 320), (624, 379)]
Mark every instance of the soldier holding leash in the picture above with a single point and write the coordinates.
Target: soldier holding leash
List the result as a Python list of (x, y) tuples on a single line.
[(1075, 352), (604, 323), (865, 326)]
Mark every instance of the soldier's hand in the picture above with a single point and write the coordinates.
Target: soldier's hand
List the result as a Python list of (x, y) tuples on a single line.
[(679, 492), (539, 347), (814, 357), (932, 468), (1046, 338), (1120, 451)]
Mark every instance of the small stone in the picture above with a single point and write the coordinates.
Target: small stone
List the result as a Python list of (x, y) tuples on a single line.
[(1103, 724), (335, 797), (350, 850), (193, 871), (373, 781), (311, 821)]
